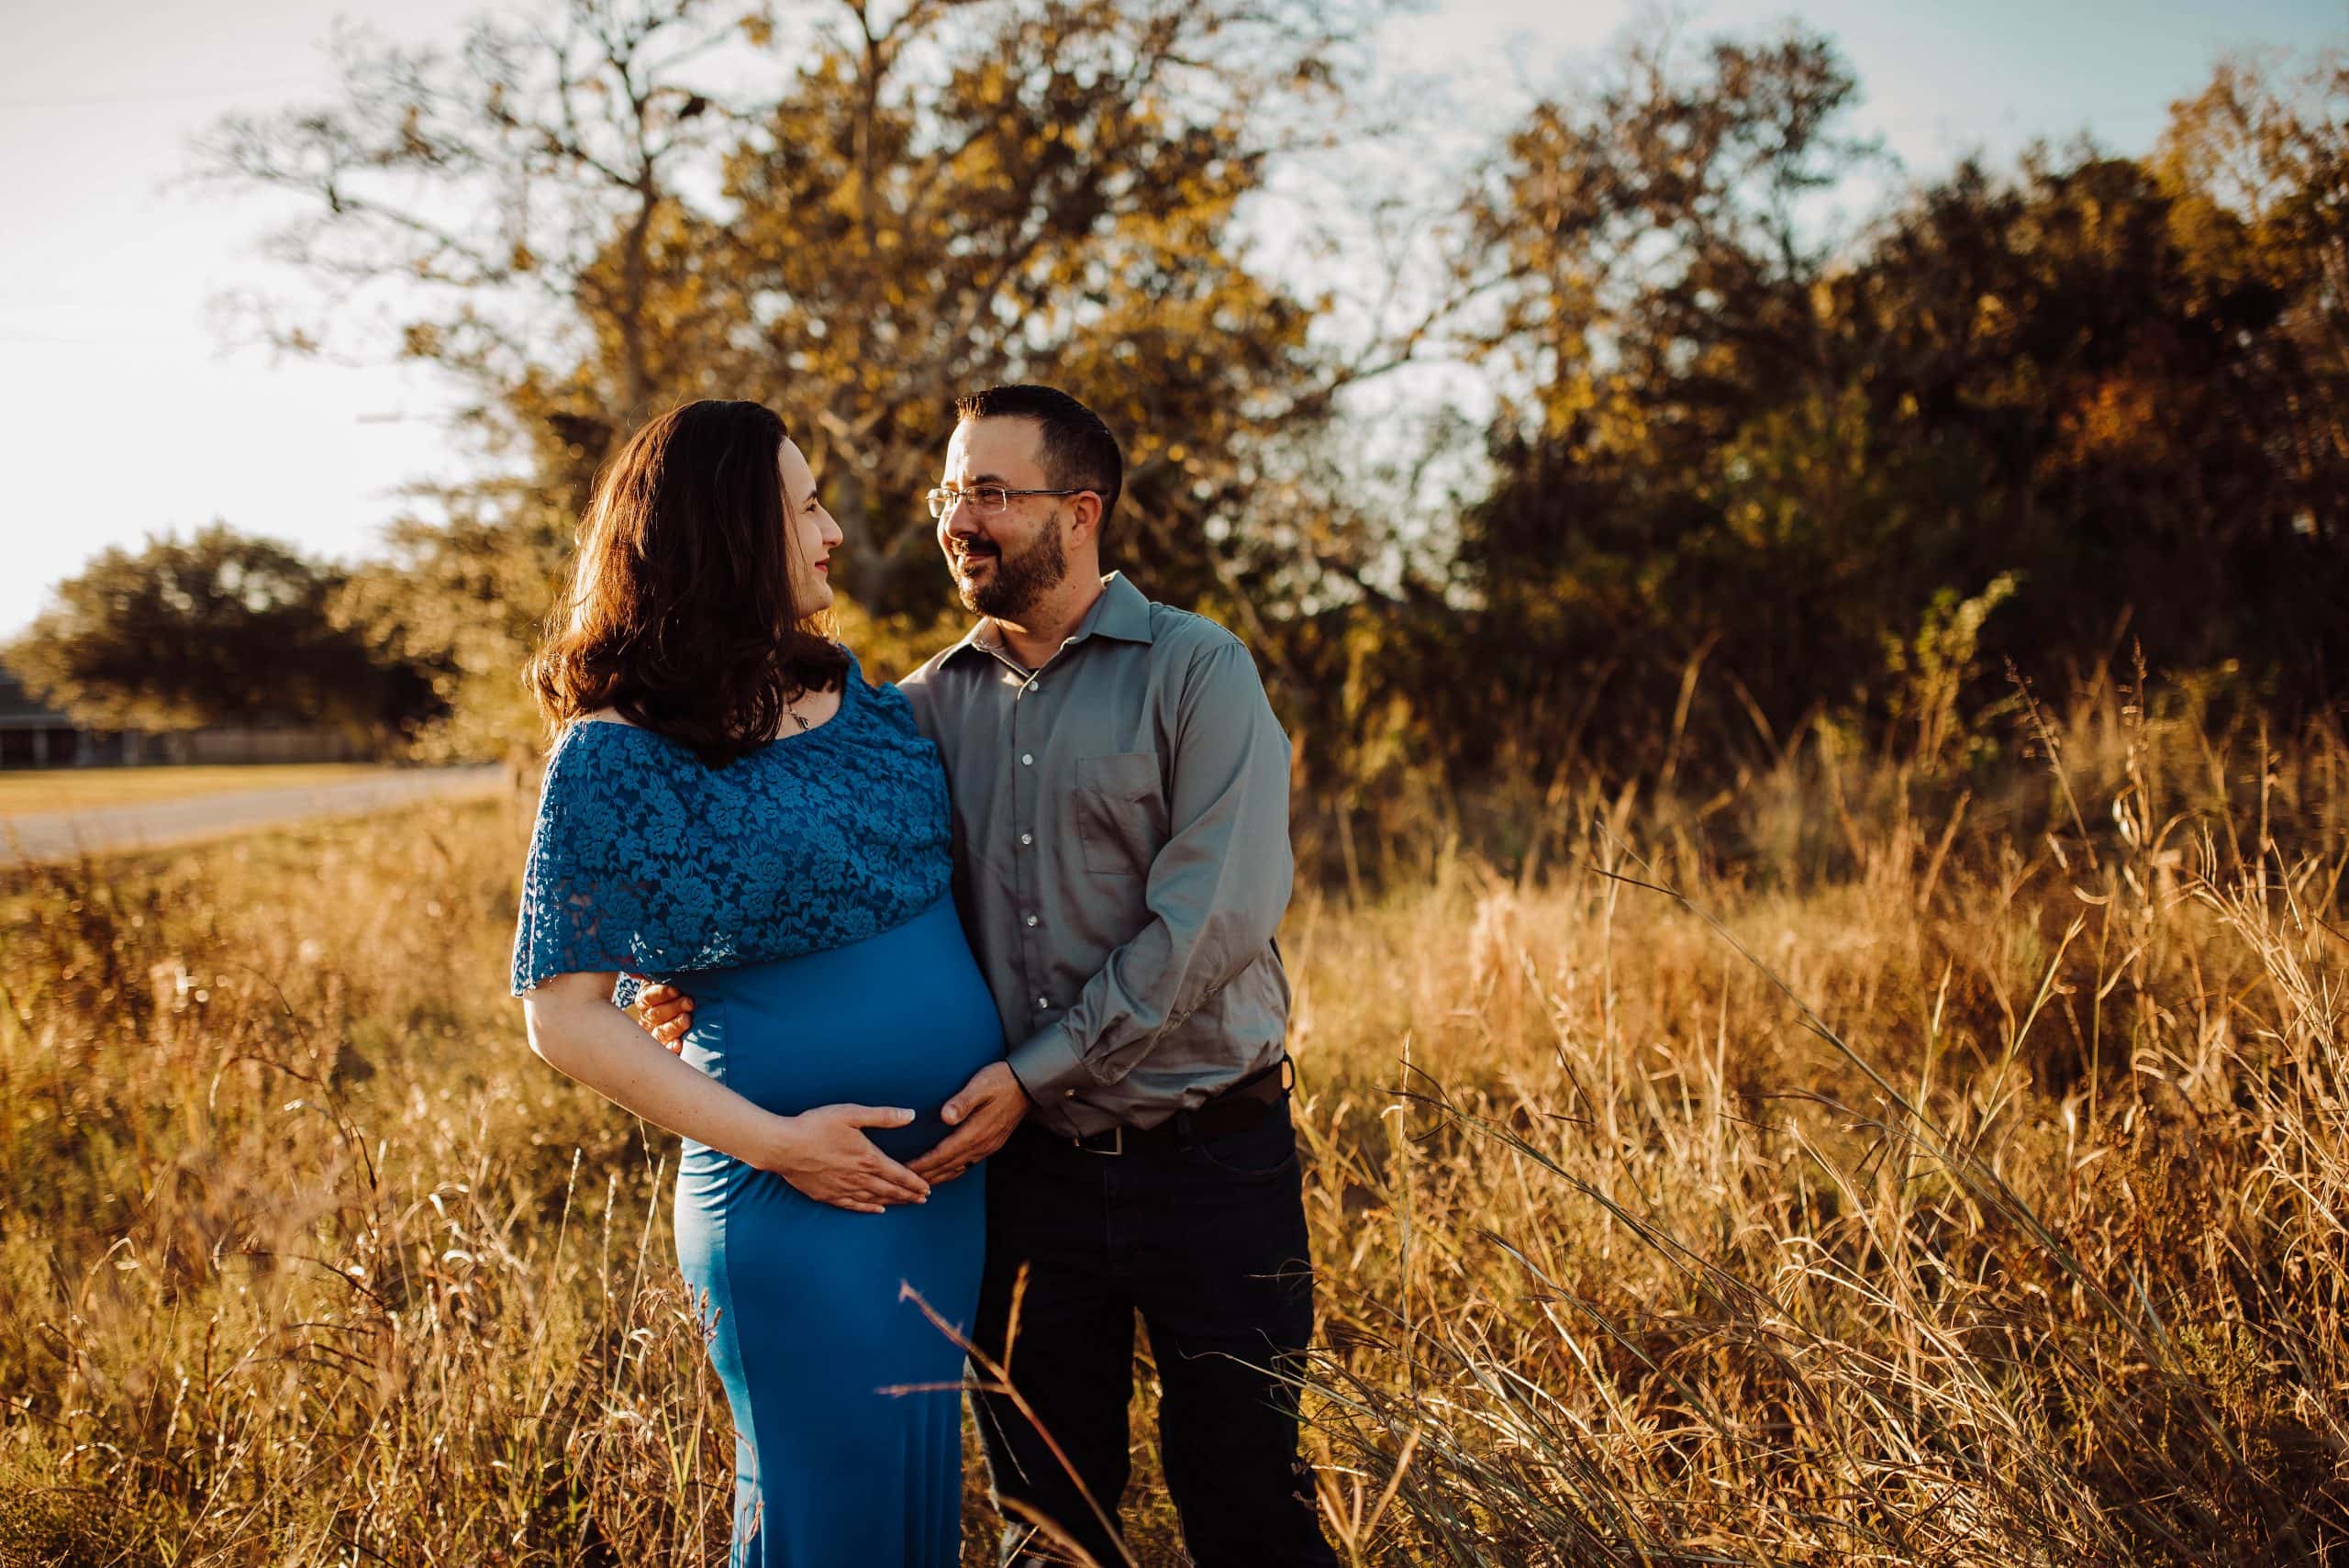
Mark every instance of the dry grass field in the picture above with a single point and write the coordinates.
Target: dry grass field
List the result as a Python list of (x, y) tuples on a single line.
[(87, 789), (1860, 1166)]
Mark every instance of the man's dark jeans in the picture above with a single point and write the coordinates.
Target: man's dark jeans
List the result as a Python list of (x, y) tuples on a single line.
[(1207, 1243)]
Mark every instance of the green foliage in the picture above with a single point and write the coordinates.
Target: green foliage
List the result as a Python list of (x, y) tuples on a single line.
[(1931, 670), (461, 600), (215, 628), (2102, 393)]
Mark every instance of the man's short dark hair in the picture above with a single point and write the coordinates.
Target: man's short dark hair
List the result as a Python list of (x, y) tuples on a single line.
[(1079, 452)]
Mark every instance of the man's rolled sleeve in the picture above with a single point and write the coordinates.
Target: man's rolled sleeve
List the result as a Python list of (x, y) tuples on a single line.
[(1049, 1065)]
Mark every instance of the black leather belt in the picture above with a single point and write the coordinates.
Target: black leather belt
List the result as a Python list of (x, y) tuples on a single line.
[(1236, 1109)]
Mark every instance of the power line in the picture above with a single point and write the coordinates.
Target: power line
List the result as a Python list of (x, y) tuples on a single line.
[(102, 103)]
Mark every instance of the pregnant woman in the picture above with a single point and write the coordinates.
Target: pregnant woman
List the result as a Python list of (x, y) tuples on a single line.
[(728, 800)]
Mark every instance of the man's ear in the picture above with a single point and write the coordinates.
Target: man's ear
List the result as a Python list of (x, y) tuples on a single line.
[(1086, 508)]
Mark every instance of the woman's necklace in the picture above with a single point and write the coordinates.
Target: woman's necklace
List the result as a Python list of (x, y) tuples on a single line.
[(794, 711)]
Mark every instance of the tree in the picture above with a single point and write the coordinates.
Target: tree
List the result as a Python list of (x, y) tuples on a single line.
[(1035, 192), (512, 187), (458, 600), (221, 627), (1661, 300), (969, 191), (586, 228), (2257, 165), (2092, 398), (2142, 374)]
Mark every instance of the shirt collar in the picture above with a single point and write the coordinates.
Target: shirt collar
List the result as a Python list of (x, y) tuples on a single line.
[(1120, 612)]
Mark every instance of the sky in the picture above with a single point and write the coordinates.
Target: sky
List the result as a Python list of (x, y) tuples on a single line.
[(127, 409)]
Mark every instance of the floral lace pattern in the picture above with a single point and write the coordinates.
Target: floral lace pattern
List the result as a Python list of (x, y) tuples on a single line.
[(645, 859)]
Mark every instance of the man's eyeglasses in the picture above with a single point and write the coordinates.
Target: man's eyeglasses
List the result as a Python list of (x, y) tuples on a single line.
[(986, 500)]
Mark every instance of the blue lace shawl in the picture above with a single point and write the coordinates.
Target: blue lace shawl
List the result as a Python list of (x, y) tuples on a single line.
[(645, 859)]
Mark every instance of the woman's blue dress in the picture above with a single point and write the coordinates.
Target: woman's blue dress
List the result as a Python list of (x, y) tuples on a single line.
[(801, 895)]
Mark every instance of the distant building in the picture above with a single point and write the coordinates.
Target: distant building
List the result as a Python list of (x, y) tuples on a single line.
[(33, 735)]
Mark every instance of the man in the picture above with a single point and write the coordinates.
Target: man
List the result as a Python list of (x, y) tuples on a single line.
[(1121, 857)]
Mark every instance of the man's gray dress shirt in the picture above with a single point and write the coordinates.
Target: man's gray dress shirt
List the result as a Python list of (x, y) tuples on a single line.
[(1121, 855)]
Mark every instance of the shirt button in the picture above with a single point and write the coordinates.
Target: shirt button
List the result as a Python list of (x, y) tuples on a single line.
[(1026, 759), (1041, 1003), (1068, 1093), (1026, 838), (1032, 919)]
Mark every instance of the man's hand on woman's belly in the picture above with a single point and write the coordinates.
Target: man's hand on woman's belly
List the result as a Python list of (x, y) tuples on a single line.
[(666, 1013), (982, 1113)]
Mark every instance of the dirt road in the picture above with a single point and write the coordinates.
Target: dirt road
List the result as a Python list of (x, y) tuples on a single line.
[(62, 835)]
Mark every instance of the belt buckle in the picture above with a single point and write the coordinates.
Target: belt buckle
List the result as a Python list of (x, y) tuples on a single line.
[(1117, 1142)]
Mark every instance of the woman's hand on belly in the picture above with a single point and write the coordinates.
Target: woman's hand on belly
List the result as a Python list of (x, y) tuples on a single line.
[(824, 1153)]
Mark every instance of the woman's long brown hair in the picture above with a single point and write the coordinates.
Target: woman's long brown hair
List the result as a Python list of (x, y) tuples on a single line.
[(680, 615)]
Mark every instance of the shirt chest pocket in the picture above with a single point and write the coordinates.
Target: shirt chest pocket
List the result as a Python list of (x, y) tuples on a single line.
[(1120, 805)]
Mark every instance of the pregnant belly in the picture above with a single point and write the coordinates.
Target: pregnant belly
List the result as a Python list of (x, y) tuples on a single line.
[(903, 1019)]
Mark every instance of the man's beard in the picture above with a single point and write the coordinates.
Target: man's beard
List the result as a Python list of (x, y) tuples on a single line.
[(1018, 581)]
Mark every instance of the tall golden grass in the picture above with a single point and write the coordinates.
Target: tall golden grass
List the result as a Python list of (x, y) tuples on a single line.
[(1878, 1162)]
